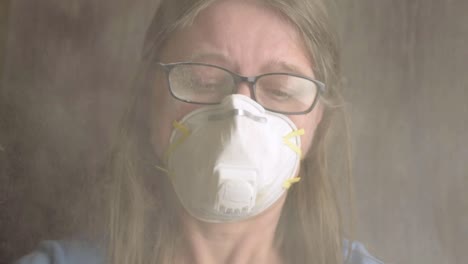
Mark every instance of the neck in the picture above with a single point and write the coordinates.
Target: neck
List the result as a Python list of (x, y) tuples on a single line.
[(249, 241)]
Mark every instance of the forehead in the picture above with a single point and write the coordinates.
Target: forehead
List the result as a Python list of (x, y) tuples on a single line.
[(240, 33)]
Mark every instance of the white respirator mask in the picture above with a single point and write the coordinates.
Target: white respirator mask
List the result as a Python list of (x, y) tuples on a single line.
[(232, 161)]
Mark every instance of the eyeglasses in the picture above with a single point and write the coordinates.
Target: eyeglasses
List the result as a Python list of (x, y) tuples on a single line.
[(207, 84)]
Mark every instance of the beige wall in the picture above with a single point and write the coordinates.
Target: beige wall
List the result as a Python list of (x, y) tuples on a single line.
[(405, 64), (4, 6)]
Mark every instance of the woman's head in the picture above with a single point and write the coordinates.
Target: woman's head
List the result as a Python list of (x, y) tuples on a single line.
[(248, 37)]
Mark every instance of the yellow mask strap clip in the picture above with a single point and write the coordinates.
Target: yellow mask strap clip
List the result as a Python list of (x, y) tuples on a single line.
[(291, 145), (289, 182), (185, 133)]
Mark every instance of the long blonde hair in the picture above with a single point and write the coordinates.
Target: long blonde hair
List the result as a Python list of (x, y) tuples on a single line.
[(142, 225)]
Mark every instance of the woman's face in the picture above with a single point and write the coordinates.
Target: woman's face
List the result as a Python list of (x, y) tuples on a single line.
[(243, 36)]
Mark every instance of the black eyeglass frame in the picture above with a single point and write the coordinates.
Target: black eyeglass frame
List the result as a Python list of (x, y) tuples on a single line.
[(251, 80)]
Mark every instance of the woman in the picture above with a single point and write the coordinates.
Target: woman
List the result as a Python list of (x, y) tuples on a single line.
[(223, 155)]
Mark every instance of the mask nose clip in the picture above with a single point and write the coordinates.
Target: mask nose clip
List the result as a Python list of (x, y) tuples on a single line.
[(237, 112), (239, 105)]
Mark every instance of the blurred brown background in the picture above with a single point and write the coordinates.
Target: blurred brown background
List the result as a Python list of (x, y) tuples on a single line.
[(67, 65)]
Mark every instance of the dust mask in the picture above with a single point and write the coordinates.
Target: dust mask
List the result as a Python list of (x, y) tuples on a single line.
[(232, 161)]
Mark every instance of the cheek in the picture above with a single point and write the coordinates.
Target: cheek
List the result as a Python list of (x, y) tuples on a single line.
[(165, 110)]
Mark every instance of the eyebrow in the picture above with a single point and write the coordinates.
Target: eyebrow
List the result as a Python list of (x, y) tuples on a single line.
[(208, 55), (274, 65), (282, 65)]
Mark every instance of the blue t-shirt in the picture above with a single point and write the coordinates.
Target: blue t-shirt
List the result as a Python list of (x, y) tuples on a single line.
[(76, 252)]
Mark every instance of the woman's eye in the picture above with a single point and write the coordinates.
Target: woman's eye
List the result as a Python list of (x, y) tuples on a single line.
[(279, 94), (208, 88), (205, 84)]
